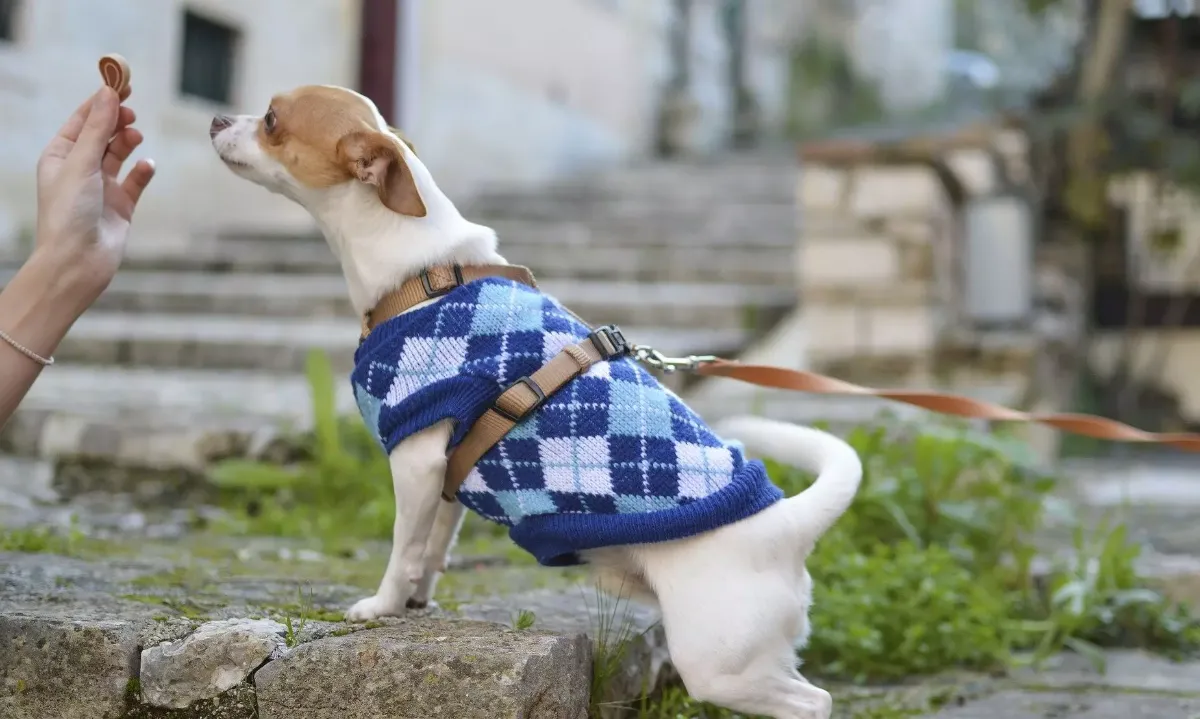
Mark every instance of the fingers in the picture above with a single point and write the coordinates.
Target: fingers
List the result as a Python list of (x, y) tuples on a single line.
[(98, 128), (125, 142), (137, 180), (126, 118), (70, 129)]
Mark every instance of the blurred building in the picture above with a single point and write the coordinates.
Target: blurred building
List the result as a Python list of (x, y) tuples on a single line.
[(521, 91)]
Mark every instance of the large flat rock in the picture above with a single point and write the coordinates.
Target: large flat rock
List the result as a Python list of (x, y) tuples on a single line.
[(178, 630), (66, 668), (432, 668)]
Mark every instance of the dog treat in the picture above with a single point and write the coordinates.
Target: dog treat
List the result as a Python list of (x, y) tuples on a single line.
[(115, 71)]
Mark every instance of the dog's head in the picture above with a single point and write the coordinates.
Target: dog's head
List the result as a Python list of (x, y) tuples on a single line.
[(316, 139)]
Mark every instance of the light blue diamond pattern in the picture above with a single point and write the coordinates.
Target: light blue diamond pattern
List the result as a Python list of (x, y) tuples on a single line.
[(521, 503), (502, 309), (639, 411)]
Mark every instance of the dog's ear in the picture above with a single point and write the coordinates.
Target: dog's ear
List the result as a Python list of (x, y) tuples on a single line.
[(404, 139), (374, 158)]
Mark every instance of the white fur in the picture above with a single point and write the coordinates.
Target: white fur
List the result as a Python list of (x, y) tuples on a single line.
[(734, 600)]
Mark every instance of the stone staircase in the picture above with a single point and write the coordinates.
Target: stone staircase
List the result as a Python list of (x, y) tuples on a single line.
[(187, 358)]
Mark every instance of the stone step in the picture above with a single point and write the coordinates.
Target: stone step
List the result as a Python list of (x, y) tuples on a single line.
[(593, 254), (747, 264), (702, 217), (282, 344), (162, 633), (159, 418), (324, 297), (773, 265), (685, 183), (137, 418), (207, 341), (552, 231), (287, 254), (557, 233), (652, 197)]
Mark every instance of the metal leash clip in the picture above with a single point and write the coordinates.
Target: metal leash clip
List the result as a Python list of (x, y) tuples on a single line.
[(654, 359)]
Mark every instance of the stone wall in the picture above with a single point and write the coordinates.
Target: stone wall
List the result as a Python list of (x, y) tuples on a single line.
[(872, 240), (884, 278)]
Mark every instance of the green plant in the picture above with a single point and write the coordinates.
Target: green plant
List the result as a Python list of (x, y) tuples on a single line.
[(1096, 599), (292, 630), (44, 540), (898, 610), (524, 620), (612, 632), (340, 484)]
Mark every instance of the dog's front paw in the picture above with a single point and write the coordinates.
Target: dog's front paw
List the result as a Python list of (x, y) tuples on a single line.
[(364, 610)]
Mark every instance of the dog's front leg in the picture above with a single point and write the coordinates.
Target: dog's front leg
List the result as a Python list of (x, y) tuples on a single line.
[(437, 552), (418, 467)]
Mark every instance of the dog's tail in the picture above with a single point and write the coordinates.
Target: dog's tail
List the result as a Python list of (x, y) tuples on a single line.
[(836, 464)]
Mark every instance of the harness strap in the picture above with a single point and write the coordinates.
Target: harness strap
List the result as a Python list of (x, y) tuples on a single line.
[(435, 282), (525, 396)]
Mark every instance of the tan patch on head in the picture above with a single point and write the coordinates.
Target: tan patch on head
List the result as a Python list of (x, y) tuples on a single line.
[(325, 136)]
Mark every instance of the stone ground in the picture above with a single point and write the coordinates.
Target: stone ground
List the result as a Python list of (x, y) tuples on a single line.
[(255, 624)]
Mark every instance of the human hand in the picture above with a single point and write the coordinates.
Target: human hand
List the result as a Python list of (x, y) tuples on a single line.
[(84, 209)]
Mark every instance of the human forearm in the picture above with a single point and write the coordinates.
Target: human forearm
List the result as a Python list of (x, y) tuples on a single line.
[(37, 308)]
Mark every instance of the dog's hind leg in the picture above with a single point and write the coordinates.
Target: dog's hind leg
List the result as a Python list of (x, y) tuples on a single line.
[(732, 616), (437, 551), (739, 655), (418, 465)]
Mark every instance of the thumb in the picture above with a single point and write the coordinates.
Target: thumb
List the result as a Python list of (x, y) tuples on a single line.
[(98, 129)]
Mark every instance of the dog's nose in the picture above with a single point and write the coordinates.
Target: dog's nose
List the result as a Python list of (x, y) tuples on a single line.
[(220, 122)]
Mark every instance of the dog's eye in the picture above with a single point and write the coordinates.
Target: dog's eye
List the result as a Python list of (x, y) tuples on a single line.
[(269, 121)]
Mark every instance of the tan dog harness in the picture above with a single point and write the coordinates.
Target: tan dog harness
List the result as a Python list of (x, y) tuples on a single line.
[(519, 399)]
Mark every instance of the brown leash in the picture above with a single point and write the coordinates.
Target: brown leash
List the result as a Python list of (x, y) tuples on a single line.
[(799, 381), (521, 398)]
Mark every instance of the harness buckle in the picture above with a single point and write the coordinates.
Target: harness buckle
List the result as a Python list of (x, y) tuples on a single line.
[(609, 342), (431, 292), (538, 402)]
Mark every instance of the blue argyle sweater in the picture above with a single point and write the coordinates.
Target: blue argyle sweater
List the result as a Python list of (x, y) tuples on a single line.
[(612, 458)]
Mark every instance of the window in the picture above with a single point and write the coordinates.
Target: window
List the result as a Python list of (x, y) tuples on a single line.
[(10, 11), (209, 54)]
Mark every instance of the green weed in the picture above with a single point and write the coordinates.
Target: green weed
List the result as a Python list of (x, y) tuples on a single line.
[(292, 629), (44, 540), (524, 620)]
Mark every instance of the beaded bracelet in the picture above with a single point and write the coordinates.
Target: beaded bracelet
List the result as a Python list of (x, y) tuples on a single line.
[(25, 350)]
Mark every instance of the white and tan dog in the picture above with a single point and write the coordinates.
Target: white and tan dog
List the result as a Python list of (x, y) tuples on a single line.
[(734, 600)]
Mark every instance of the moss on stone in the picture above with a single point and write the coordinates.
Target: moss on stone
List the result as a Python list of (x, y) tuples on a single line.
[(184, 607)]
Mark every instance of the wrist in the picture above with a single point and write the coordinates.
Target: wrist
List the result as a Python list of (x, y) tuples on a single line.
[(68, 280), (42, 301)]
